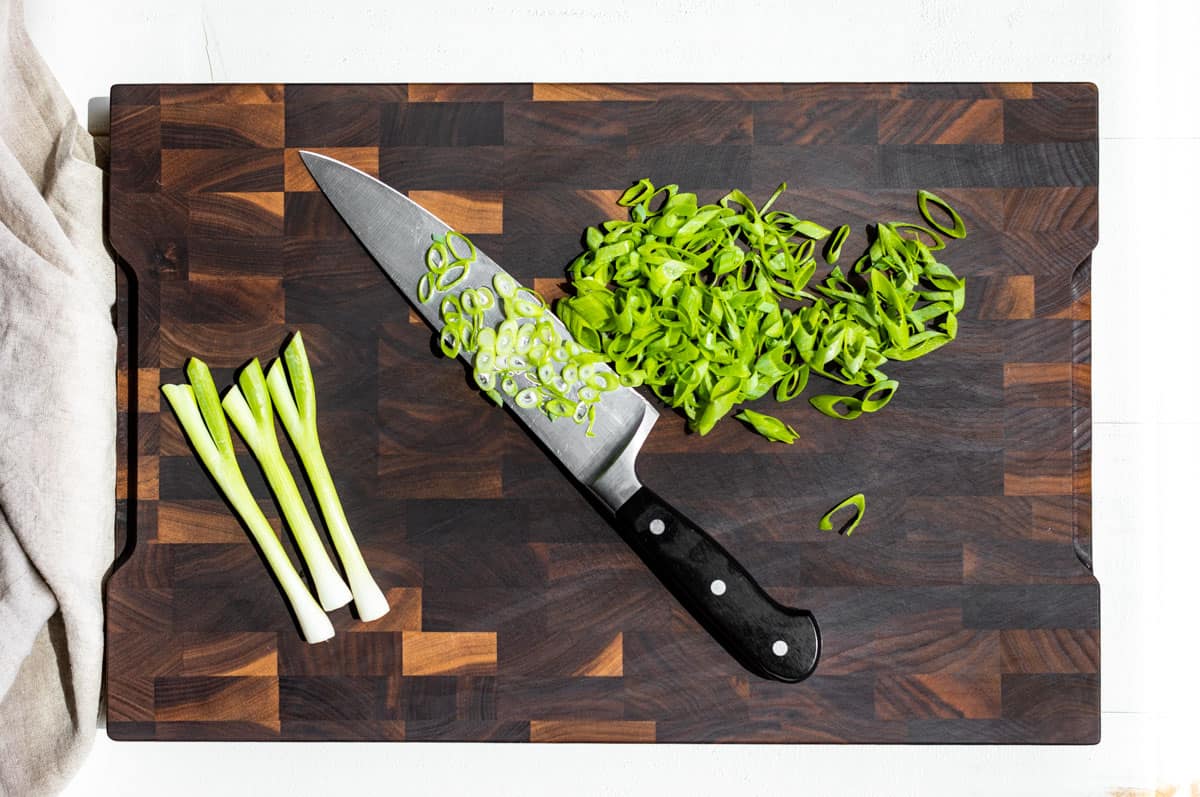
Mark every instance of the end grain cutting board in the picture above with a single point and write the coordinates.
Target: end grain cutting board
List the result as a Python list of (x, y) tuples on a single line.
[(963, 609)]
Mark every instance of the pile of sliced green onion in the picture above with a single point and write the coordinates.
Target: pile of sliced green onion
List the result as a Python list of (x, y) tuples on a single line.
[(711, 305), (523, 357)]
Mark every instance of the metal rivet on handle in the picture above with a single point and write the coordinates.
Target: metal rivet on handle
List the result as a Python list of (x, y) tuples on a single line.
[(657, 526), (717, 587), (780, 648)]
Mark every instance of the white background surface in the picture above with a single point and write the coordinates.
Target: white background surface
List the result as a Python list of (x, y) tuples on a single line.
[(1145, 331)]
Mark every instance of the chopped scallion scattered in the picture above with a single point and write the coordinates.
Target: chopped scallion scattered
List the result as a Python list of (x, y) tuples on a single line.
[(714, 305)]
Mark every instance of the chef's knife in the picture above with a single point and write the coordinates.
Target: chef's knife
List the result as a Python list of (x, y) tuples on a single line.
[(767, 638)]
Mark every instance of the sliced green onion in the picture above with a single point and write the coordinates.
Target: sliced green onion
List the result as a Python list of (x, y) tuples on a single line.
[(958, 230), (828, 405), (295, 402), (425, 288), (858, 501), (713, 305), (460, 246), (879, 395), (505, 285), (769, 427), (833, 249), (249, 407), (198, 408), (528, 398)]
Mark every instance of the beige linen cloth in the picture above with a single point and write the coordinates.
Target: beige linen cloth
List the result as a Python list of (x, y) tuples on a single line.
[(57, 424)]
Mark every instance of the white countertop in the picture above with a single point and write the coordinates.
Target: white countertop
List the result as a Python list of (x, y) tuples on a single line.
[(1145, 386)]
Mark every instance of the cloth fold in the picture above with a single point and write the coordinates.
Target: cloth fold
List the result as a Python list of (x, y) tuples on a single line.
[(57, 423)]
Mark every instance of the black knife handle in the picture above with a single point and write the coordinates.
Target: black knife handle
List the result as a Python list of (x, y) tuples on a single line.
[(768, 639)]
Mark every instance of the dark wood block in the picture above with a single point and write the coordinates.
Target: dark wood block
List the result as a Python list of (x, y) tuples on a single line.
[(500, 609), (820, 122), (342, 730), (968, 90), (1032, 606), (1014, 561), (134, 94), (257, 300), (136, 164), (250, 255), (1044, 696), (207, 699), (463, 521), (470, 92), (407, 168), (691, 122), (1013, 165), (426, 698), (241, 214), (1050, 208), (370, 654), (653, 92), (835, 165), (962, 609), (222, 94), (332, 123), (1034, 121), (229, 654), (566, 123), (941, 122), (442, 124), (195, 170), (461, 731), (298, 94), (917, 697), (221, 125), (309, 214), (314, 697), (560, 698)]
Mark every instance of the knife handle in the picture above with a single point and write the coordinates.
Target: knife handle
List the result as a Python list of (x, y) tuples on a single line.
[(767, 638)]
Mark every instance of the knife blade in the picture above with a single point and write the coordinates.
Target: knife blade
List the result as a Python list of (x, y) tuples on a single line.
[(769, 639)]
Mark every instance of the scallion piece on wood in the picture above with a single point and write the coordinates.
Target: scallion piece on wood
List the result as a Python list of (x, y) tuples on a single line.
[(769, 427), (198, 408), (249, 406), (858, 501), (296, 404), (957, 229)]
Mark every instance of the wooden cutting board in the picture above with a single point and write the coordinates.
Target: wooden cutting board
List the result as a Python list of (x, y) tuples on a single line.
[(963, 609)]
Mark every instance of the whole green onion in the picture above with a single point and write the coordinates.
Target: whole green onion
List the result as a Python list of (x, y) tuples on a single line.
[(295, 402), (249, 406), (198, 408)]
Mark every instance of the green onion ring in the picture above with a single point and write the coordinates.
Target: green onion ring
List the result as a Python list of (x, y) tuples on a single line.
[(858, 501)]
